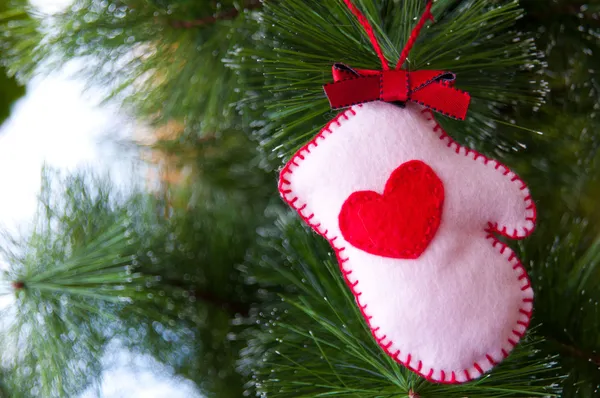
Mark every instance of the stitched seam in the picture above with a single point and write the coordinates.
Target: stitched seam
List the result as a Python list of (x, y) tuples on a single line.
[(446, 377), (354, 103), (531, 216), (436, 109)]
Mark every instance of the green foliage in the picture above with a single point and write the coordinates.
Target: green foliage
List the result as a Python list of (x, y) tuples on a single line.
[(163, 58), (302, 39), (555, 151), (100, 265), (224, 165), (73, 277), (210, 224), (564, 268), (184, 276), (206, 243), (313, 340), (20, 35), (562, 168), (10, 91)]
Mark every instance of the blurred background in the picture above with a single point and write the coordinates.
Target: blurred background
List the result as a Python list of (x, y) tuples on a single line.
[(145, 251)]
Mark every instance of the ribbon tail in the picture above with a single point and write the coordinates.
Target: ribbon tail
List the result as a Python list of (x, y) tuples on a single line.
[(443, 99), (344, 93)]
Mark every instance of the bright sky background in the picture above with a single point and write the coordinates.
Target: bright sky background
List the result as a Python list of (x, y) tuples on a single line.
[(57, 125), (60, 125)]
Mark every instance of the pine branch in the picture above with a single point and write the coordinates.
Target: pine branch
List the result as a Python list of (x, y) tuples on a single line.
[(17, 285), (304, 38), (315, 342), (578, 353), (210, 298), (162, 73), (412, 394), (571, 10), (98, 266), (222, 16), (232, 307), (305, 344)]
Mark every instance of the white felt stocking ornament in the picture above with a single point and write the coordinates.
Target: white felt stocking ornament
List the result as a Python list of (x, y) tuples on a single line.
[(413, 217)]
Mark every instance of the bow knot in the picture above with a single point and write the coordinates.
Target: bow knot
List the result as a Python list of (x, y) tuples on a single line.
[(430, 88)]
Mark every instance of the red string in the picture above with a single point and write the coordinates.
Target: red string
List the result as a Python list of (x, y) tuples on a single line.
[(409, 44), (415, 33), (369, 29)]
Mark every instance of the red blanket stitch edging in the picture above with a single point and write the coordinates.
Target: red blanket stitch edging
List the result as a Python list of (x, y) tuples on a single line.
[(440, 376)]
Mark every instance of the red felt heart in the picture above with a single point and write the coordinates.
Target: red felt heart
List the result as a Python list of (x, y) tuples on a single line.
[(400, 223)]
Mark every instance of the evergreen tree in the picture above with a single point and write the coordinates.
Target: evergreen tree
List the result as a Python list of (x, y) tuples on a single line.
[(11, 89), (214, 275)]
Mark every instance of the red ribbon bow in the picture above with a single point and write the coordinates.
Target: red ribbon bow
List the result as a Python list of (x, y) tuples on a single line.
[(430, 88)]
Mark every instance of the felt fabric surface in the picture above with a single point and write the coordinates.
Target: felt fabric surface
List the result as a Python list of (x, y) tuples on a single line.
[(459, 307)]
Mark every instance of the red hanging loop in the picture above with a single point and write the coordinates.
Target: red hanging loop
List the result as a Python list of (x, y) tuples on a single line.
[(429, 88), (369, 29), (415, 33), (409, 44)]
